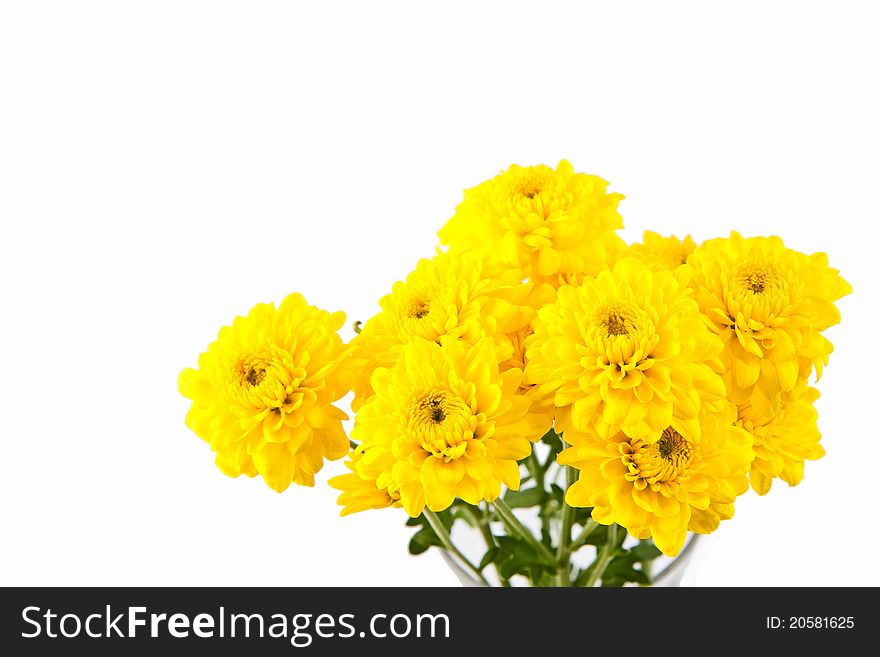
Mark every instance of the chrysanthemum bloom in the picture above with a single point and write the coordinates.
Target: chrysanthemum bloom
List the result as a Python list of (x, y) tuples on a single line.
[(784, 441), (445, 423), (449, 295), (663, 488), (360, 493), (626, 350), (769, 304), (264, 391), (542, 400), (550, 223), (662, 253)]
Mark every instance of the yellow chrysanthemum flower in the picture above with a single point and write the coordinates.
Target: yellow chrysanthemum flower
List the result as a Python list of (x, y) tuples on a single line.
[(360, 493), (626, 350), (542, 400), (784, 441), (769, 304), (663, 488), (547, 222), (449, 295), (263, 394), (444, 423), (662, 253)]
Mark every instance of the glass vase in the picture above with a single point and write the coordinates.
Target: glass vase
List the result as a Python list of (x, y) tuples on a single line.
[(665, 571)]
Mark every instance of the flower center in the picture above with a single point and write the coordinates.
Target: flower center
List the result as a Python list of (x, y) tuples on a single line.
[(530, 183), (441, 422), (616, 319), (662, 466), (674, 449), (417, 313), (756, 278), (252, 371), (759, 293), (268, 381), (435, 409), (756, 282), (418, 308), (622, 335), (254, 376), (530, 189), (615, 324)]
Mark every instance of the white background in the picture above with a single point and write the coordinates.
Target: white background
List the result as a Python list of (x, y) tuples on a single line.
[(166, 165)]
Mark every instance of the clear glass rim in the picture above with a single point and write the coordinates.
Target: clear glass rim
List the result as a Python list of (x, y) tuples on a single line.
[(679, 561)]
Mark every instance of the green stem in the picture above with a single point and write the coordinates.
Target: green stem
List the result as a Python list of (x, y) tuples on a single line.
[(481, 523), (604, 557), (513, 522), (563, 554), (545, 525), (589, 527), (647, 567), (536, 469), (446, 539), (485, 515)]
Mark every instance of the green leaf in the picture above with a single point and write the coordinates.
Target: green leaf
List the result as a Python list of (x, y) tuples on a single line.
[(621, 570), (624, 575), (628, 566), (489, 557), (581, 578), (460, 514), (507, 568), (546, 578), (446, 517), (598, 537), (422, 540), (581, 515), (522, 552), (552, 439), (645, 551), (524, 498)]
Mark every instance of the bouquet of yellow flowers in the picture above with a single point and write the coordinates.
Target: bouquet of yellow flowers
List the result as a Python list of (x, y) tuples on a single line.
[(583, 404)]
